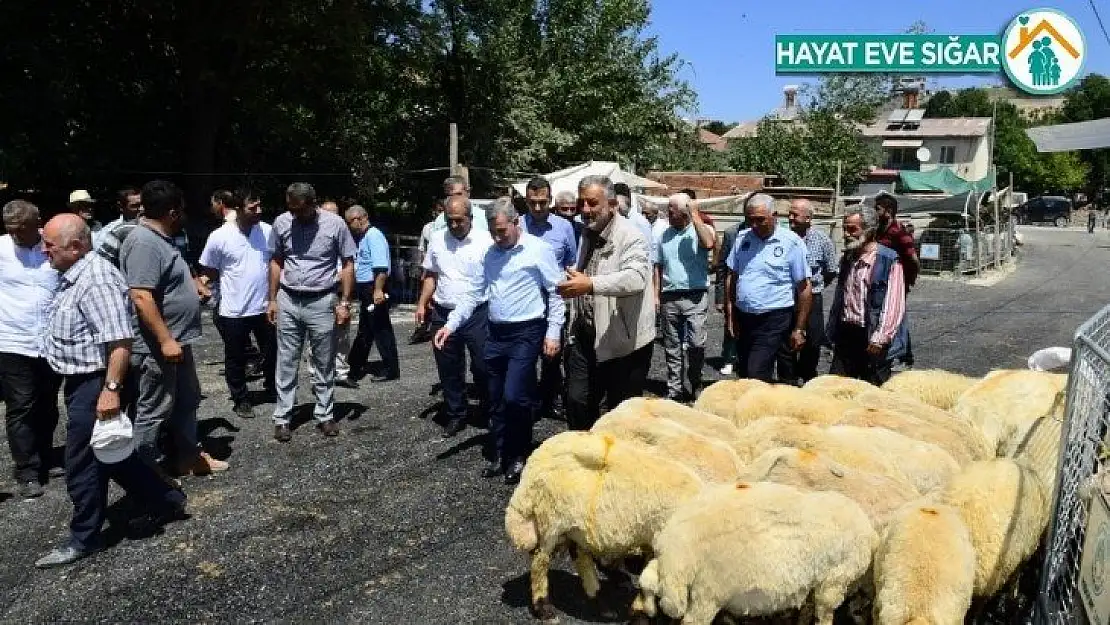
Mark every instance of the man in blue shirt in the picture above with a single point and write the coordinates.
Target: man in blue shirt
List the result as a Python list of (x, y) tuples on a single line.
[(682, 271), (526, 316), (767, 289), (371, 275), (559, 235), (799, 367)]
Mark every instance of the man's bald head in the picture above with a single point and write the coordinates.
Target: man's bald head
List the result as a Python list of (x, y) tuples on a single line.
[(455, 203), (66, 238), (802, 205), (801, 216)]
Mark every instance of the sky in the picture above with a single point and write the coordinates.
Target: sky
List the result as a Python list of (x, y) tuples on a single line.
[(729, 45)]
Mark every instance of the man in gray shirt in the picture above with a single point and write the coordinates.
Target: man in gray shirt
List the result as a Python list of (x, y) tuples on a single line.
[(307, 245), (167, 322)]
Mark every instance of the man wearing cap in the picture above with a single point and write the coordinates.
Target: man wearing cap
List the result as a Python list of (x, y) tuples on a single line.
[(88, 341), (29, 386), (81, 203)]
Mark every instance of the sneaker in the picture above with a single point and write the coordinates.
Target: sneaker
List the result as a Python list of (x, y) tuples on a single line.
[(727, 369), (30, 490), (244, 410), (330, 428), (205, 465), (282, 433)]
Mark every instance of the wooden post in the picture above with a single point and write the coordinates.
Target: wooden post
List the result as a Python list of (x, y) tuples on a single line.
[(453, 148), (997, 225), (836, 193)]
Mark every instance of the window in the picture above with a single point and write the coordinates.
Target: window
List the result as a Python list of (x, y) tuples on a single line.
[(947, 154)]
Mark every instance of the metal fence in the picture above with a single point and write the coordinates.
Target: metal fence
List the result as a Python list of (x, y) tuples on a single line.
[(404, 279), (1082, 454), (961, 252)]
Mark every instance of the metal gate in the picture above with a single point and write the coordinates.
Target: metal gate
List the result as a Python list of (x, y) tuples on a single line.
[(1082, 454)]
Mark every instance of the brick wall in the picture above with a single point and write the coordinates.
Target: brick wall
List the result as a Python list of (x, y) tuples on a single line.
[(705, 184)]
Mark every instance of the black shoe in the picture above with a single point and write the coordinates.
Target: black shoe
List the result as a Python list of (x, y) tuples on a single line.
[(61, 556), (346, 383), (385, 378), (30, 489), (454, 426), (493, 469), (282, 433), (244, 410), (512, 475), (56, 472), (330, 428)]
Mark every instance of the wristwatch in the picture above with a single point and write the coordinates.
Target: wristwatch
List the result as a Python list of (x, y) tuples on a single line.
[(113, 386)]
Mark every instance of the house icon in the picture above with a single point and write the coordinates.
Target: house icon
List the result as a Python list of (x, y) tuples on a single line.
[(1027, 36)]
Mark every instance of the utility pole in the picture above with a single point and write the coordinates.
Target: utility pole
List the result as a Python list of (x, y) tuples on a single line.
[(836, 193), (453, 148)]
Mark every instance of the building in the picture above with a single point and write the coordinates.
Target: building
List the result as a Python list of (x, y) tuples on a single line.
[(958, 143), (712, 141), (788, 113)]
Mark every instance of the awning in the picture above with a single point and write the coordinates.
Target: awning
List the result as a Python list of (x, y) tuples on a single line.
[(1090, 135), (902, 143), (942, 179)]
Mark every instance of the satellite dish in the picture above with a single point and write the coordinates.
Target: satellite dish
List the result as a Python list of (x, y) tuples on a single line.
[(923, 154)]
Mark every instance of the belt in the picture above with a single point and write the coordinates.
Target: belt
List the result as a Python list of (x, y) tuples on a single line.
[(307, 292)]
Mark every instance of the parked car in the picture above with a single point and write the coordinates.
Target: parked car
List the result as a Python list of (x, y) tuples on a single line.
[(1046, 208)]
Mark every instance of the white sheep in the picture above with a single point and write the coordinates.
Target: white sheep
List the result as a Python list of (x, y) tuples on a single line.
[(788, 401), (720, 397), (837, 386), (712, 460), (973, 441), (878, 495), (755, 549), (963, 449), (704, 423), (924, 568), (605, 496), (1005, 402), (878, 450), (935, 387)]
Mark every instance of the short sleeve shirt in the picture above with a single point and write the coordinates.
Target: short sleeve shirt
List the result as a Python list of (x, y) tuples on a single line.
[(373, 255), (767, 269), (243, 262), (312, 252), (901, 241), (683, 260), (152, 262)]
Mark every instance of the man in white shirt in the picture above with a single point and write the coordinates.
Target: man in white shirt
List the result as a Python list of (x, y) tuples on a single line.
[(237, 255), (29, 385), (452, 267), (423, 331)]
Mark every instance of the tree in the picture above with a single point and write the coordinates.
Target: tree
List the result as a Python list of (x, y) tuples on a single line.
[(1090, 99), (718, 127)]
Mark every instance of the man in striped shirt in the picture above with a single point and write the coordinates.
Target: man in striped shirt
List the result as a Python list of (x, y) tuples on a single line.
[(866, 322), (88, 342), (799, 367)]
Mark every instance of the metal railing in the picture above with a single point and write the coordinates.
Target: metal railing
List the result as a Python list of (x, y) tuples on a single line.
[(1083, 451), (962, 252)]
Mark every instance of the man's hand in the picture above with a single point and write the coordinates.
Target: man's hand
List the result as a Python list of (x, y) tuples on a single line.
[(342, 314), (730, 330), (576, 285), (379, 297), (797, 340), (551, 348), (421, 311), (441, 337), (874, 349), (107, 405), (203, 291), (271, 313), (171, 352)]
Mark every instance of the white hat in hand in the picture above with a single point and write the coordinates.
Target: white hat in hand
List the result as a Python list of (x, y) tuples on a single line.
[(113, 440)]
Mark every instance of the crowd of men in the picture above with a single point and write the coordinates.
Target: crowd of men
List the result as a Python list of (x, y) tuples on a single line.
[(557, 305)]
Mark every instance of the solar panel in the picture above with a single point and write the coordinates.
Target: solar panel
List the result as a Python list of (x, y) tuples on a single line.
[(897, 116), (915, 115)]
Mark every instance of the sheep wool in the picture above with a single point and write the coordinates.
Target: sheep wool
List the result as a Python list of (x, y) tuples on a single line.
[(605, 495), (924, 568), (704, 423), (713, 461), (879, 496), (977, 446), (755, 549), (920, 464), (963, 450), (789, 401), (720, 398), (837, 386), (935, 387), (1007, 401)]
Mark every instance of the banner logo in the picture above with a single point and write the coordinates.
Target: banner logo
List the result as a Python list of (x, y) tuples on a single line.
[(1044, 51)]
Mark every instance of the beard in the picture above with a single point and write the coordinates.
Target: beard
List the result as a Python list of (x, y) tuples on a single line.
[(853, 244)]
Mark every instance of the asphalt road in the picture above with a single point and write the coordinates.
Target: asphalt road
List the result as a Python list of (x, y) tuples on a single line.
[(388, 523)]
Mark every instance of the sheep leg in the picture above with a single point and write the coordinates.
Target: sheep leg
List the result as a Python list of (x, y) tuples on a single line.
[(541, 562), (701, 610), (826, 599), (584, 564)]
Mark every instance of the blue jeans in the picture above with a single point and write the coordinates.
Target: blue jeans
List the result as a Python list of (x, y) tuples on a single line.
[(451, 360), (304, 318), (87, 477), (511, 353)]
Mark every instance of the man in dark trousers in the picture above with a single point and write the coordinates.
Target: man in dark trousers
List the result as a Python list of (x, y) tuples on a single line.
[(372, 266), (867, 319), (892, 235)]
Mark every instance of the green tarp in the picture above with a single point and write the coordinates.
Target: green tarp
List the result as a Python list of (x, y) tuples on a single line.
[(943, 179)]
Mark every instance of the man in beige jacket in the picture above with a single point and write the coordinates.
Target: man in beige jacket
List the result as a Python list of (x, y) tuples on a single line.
[(612, 308)]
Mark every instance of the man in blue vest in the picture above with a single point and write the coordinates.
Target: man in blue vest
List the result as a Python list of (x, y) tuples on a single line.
[(867, 319)]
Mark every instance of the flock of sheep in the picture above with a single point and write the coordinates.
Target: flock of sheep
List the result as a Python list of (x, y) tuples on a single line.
[(915, 497)]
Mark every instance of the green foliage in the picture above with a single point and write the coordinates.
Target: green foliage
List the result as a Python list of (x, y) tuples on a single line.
[(1090, 99), (806, 154), (718, 127), (1014, 151)]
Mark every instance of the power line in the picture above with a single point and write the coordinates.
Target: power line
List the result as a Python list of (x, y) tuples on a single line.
[(1099, 18)]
